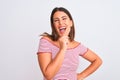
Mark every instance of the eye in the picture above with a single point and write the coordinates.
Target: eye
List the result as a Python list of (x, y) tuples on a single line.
[(64, 18), (55, 20)]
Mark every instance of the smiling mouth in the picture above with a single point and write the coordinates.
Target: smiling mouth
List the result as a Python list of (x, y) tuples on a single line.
[(62, 29)]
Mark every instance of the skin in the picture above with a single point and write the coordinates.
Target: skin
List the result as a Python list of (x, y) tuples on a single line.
[(51, 66)]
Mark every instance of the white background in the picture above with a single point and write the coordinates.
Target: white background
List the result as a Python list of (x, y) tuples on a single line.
[(97, 24)]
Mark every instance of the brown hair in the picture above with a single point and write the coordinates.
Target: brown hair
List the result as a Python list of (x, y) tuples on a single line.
[(54, 35)]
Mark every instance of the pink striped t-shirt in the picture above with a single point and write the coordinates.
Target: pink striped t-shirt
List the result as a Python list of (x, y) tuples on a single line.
[(70, 62)]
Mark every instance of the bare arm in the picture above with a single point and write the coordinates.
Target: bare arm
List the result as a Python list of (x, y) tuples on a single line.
[(49, 66), (95, 64)]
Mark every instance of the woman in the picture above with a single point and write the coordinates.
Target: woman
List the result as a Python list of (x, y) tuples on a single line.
[(58, 53)]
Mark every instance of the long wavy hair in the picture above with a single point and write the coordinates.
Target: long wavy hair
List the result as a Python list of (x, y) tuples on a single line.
[(54, 35)]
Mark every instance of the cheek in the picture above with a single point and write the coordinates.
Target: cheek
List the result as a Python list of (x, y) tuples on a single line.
[(71, 23), (56, 27)]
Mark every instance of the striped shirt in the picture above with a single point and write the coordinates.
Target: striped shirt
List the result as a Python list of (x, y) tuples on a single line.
[(70, 62)]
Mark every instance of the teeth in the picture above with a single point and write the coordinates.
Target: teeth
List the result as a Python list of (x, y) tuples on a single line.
[(62, 28)]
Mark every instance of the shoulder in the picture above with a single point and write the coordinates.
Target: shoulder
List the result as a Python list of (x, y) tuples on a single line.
[(76, 42), (46, 38)]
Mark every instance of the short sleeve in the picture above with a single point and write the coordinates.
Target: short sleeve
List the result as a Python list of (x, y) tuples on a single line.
[(44, 45), (82, 50)]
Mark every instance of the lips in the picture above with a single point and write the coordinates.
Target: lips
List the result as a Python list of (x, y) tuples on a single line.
[(62, 29)]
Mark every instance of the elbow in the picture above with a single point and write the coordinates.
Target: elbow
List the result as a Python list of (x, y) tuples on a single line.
[(99, 62), (48, 75)]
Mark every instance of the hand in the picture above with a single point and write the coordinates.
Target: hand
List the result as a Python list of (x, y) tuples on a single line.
[(63, 42)]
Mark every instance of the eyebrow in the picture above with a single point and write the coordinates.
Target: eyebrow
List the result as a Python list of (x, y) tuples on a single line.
[(61, 17), (64, 16)]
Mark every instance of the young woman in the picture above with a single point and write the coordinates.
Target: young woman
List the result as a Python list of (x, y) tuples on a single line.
[(58, 53)]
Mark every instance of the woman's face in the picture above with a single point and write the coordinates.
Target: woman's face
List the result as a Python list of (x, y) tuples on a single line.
[(62, 23)]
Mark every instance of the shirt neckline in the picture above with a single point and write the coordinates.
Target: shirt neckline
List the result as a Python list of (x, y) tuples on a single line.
[(59, 47)]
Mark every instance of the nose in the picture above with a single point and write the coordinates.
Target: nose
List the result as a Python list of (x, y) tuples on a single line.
[(60, 22)]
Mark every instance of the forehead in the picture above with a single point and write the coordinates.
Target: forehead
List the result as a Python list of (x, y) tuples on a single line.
[(59, 14)]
